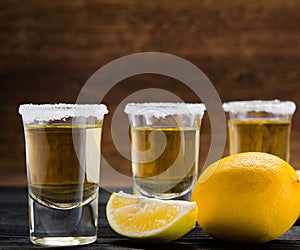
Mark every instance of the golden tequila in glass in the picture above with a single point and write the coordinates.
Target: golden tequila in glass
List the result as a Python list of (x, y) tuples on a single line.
[(269, 136), (58, 177), (166, 172)]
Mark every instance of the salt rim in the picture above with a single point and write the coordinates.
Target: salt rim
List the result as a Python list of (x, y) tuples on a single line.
[(271, 106), (48, 112), (162, 109)]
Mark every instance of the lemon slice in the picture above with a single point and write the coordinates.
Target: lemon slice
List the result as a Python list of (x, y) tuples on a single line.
[(148, 219)]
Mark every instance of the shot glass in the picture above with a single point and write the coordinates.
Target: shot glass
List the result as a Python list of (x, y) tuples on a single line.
[(260, 126), (63, 163), (165, 141)]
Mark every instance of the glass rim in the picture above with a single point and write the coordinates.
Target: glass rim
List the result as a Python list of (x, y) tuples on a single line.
[(270, 106), (159, 109), (57, 111)]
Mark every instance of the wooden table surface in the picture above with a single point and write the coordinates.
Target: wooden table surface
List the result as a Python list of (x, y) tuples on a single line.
[(14, 230)]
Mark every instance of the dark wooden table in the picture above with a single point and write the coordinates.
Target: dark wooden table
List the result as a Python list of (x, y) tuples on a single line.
[(14, 230)]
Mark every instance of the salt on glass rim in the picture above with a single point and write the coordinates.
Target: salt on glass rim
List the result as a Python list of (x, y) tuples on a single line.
[(162, 109), (49, 112), (270, 106)]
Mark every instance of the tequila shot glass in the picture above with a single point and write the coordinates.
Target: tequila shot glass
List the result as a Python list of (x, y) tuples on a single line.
[(260, 126), (165, 139), (63, 163)]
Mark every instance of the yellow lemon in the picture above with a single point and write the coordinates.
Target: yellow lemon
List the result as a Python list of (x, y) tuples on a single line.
[(150, 220), (249, 197)]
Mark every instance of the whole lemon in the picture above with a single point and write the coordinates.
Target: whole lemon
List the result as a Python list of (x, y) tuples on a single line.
[(248, 197)]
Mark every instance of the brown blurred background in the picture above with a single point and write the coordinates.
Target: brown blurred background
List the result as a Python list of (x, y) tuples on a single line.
[(48, 49)]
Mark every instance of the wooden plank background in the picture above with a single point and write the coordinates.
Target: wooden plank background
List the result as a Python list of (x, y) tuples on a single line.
[(48, 49)]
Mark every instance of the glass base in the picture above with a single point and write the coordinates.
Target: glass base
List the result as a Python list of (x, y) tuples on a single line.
[(51, 226), (63, 241), (164, 196), (178, 188)]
